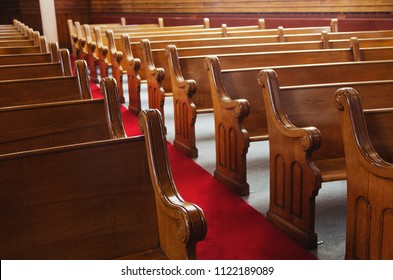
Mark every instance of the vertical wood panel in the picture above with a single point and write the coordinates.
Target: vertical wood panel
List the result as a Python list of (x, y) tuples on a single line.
[(239, 6), (77, 10)]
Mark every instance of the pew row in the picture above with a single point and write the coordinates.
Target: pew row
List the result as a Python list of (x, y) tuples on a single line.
[(39, 46), (239, 109), (91, 44), (192, 95), (111, 42), (75, 33), (25, 58), (98, 44), (135, 65), (118, 47), (47, 89), (37, 70), (44, 125), (88, 39), (368, 150), (306, 147), (104, 206), (156, 63)]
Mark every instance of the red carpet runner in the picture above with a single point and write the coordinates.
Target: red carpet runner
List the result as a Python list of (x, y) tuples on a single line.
[(236, 231)]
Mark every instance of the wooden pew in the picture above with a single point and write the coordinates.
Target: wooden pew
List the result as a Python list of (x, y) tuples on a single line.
[(217, 33), (87, 30), (368, 150), (14, 49), (156, 62), (121, 45), (93, 43), (76, 33), (45, 90), (134, 51), (13, 37), (104, 206), (306, 147), (44, 125), (37, 70), (24, 58), (239, 110), (191, 92)]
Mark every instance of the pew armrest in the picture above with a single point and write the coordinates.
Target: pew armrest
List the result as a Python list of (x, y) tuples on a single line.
[(177, 78), (355, 132), (181, 224), (308, 137), (238, 108)]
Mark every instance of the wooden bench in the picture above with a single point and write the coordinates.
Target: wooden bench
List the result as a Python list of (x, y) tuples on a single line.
[(306, 147), (45, 125), (86, 33), (134, 51), (93, 44), (192, 95), (76, 33), (104, 206), (40, 48), (36, 70), (239, 110), (48, 89), (130, 66), (13, 38), (24, 58), (156, 62), (121, 43), (368, 150)]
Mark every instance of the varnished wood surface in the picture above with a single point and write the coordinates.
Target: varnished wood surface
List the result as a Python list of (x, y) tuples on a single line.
[(81, 217), (239, 109), (116, 49), (192, 93), (228, 6), (368, 148), (304, 131), (157, 68)]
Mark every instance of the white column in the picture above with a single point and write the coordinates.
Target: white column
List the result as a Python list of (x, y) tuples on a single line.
[(48, 18)]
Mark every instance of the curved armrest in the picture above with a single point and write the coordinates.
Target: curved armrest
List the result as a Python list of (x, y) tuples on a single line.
[(310, 137), (355, 131), (176, 74), (240, 107), (184, 222), (112, 104)]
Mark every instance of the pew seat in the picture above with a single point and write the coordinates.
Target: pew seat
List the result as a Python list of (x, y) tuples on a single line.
[(90, 201), (367, 135), (305, 143)]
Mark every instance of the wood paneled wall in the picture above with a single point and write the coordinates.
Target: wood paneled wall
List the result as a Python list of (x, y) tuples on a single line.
[(239, 6), (77, 10), (27, 11), (232, 12)]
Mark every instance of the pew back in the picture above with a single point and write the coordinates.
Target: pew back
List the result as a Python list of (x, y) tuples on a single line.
[(42, 90), (104, 206), (37, 70), (53, 124)]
